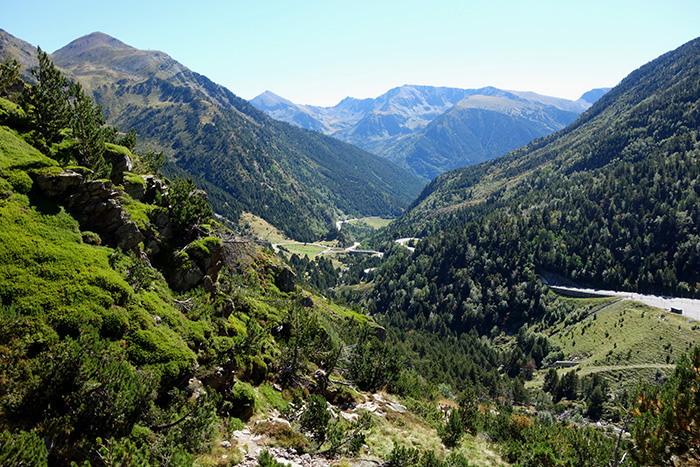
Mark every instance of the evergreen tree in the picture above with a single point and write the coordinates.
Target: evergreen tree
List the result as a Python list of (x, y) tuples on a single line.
[(46, 102), (9, 75), (86, 121)]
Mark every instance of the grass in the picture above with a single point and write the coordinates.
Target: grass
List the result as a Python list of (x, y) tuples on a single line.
[(16, 154), (626, 340), (263, 229), (409, 431), (303, 249), (374, 222)]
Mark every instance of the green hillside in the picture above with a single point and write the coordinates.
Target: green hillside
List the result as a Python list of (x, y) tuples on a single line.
[(610, 201)]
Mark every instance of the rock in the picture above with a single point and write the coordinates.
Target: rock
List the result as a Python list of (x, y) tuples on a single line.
[(226, 444), (379, 332), (154, 186), (121, 162), (185, 277), (228, 308), (96, 207), (286, 280), (134, 188), (53, 185), (307, 301)]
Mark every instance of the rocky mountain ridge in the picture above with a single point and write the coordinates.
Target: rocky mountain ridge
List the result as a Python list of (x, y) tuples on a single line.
[(396, 125)]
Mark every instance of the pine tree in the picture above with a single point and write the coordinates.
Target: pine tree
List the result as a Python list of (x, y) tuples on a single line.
[(46, 102), (9, 75), (86, 123)]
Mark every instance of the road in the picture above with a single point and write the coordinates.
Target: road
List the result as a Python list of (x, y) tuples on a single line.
[(690, 307), (403, 241), (330, 249)]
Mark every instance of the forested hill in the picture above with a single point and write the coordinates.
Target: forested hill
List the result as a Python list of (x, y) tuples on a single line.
[(297, 180), (610, 201)]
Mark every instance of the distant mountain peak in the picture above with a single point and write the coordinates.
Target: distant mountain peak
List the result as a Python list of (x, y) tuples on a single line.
[(270, 100), (94, 40), (114, 56)]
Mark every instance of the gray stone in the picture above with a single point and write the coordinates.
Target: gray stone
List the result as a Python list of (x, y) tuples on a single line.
[(53, 185)]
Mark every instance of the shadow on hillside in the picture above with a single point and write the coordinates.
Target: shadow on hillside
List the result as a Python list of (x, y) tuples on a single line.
[(44, 205)]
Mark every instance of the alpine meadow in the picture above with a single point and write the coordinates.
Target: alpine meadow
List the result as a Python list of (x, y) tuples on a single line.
[(436, 277)]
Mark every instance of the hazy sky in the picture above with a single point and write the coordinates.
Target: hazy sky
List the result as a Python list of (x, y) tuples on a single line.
[(318, 52)]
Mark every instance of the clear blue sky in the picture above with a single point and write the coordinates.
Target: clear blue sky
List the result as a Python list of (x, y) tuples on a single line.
[(320, 51)]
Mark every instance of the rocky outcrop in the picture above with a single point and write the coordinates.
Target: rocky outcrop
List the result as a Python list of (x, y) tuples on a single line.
[(120, 162), (285, 280), (95, 204), (58, 184), (198, 263)]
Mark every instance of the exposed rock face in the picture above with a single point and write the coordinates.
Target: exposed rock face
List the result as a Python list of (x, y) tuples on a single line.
[(286, 280), (121, 162), (199, 264), (134, 189), (53, 185), (96, 206)]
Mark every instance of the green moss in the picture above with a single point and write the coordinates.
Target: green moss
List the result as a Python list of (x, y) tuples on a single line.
[(203, 248), (11, 108), (271, 398), (134, 179), (117, 149), (21, 182), (140, 213), (161, 348), (43, 251), (15, 153)]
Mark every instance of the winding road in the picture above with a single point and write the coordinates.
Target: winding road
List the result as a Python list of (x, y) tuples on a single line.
[(689, 307)]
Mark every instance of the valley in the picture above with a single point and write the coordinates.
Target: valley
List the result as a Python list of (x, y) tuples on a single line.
[(218, 288)]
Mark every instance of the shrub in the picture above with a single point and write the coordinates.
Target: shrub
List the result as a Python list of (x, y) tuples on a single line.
[(243, 399), (315, 418), (20, 181), (265, 459)]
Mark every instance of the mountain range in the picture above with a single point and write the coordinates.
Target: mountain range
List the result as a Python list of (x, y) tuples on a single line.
[(430, 130), (298, 180)]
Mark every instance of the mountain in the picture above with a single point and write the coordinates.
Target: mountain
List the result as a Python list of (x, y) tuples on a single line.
[(593, 95), (298, 180), (611, 201), (430, 130), (479, 128)]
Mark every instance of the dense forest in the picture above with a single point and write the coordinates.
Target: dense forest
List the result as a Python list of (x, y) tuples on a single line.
[(610, 201)]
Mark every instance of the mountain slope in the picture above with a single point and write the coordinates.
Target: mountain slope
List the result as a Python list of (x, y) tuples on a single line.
[(297, 180), (429, 130), (611, 201), (476, 129)]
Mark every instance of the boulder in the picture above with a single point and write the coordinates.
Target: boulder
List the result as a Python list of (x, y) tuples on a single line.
[(286, 280), (121, 162), (53, 185), (135, 186)]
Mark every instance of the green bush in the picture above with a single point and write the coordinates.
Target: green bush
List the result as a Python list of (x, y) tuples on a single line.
[(114, 324), (242, 398), (265, 459), (315, 418), (23, 448), (20, 181)]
